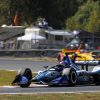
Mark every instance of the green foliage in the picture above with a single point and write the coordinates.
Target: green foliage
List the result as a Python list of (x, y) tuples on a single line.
[(80, 14), (86, 18), (55, 11), (4, 10), (94, 19)]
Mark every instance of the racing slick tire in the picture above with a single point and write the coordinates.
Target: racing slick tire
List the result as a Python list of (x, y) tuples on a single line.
[(71, 74), (28, 74), (96, 79)]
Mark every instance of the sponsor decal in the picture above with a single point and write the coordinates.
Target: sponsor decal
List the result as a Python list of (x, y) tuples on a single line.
[(89, 62)]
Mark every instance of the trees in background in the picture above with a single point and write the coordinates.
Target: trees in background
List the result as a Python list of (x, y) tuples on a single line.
[(55, 11), (87, 17), (4, 11), (60, 14)]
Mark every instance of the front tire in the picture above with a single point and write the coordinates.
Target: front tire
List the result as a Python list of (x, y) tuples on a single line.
[(28, 74)]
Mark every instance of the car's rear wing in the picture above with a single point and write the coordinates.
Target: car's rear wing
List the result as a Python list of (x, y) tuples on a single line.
[(88, 62)]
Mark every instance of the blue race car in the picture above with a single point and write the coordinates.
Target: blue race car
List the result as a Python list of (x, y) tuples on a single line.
[(58, 75)]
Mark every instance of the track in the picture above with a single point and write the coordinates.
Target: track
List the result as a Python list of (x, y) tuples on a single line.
[(35, 66), (46, 89)]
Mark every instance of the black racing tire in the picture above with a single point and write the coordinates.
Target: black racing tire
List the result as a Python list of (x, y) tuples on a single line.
[(25, 85), (72, 76), (96, 80), (53, 85), (28, 74), (16, 79)]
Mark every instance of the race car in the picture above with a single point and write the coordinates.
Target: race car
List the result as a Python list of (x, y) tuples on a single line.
[(83, 57), (58, 75), (86, 58)]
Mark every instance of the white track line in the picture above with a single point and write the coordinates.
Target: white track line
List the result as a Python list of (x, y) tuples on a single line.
[(32, 85)]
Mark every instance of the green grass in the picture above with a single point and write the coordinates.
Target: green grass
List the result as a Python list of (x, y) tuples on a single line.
[(6, 77), (64, 96)]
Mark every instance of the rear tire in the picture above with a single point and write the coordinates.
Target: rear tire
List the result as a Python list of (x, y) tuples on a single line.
[(72, 75), (96, 79)]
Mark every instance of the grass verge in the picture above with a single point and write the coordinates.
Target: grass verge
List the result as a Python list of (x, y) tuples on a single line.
[(64, 96), (6, 77)]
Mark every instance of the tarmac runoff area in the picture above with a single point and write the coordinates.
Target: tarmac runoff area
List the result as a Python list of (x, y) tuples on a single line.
[(32, 85), (45, 87), (31, 58)]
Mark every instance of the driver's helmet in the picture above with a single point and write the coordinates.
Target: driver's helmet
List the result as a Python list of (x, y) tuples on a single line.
[(64, 63)]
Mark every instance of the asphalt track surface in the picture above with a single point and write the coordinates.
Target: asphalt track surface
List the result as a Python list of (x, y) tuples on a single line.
[(11, 64)]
